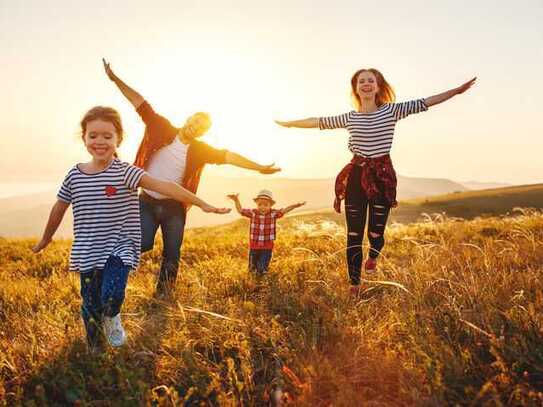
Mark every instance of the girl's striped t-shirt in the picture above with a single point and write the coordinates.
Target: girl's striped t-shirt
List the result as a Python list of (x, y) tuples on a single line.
[(371, 134), (106, 215)]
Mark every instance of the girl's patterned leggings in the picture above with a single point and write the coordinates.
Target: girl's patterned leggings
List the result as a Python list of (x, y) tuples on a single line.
[(102, 292)]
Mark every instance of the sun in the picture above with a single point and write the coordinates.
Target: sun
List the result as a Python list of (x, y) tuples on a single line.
[(231, 88), (252, 137)]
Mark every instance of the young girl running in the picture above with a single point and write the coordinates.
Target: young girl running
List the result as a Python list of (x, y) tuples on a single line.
[(368, 181), (107, 229)]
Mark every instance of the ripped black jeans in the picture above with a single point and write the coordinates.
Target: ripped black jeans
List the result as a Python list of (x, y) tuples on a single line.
[(357, 209)]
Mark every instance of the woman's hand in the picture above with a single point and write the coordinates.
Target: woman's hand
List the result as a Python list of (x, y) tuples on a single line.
[(444, 96), (284, 124), (41, 245), (211, 209), (464, 87), (269, 169), (109, 71)]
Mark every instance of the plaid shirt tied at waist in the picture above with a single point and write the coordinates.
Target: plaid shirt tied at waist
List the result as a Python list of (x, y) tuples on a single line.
[(377, 178)]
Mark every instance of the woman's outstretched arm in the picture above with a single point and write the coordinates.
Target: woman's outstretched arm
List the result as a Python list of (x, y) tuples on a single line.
[(442, 97), (310, 123), (133, 97)]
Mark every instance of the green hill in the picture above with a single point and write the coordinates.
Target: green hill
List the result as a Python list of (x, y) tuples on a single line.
[(465, 205), (495, 201)]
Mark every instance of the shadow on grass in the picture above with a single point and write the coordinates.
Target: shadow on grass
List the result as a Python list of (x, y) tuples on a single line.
[(120, 377)]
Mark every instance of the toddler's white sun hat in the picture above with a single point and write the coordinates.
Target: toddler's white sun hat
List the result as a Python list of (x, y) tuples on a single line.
[(265, 194)]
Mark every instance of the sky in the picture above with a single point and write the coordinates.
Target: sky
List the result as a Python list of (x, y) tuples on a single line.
[(247, 63)]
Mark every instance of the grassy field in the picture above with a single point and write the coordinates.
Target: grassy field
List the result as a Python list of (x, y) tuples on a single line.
[(453, 317)]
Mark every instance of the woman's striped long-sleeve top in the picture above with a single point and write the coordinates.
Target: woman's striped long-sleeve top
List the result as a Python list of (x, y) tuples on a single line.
[(371, 134)]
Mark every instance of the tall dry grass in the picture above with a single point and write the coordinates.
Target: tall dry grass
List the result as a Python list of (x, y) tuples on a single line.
[(454, 317)]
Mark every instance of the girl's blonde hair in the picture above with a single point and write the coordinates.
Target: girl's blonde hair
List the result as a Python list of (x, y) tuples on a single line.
[(107, 114), (385, 95)]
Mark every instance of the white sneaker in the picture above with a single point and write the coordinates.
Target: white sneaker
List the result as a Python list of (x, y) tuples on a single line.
[(114, 330)]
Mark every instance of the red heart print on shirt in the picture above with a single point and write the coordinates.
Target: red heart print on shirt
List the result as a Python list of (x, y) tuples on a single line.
[(111, 190)]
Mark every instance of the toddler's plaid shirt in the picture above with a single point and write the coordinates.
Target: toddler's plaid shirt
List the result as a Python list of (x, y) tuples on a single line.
[(262, 230)]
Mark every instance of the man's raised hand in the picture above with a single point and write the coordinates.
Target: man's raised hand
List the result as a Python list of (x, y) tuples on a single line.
[(109, 71), (269, 169)]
